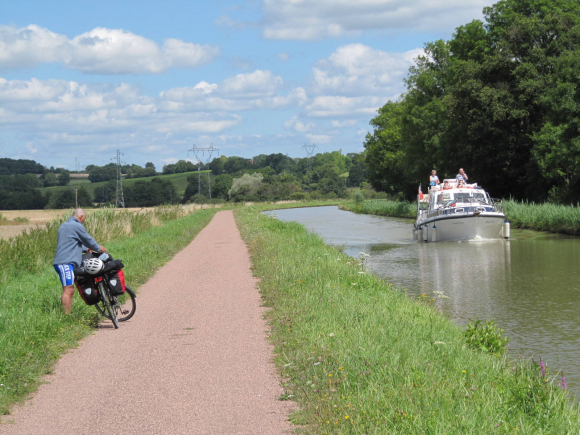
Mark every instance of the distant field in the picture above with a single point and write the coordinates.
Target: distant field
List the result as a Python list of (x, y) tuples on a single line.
[(38, 218), (179, 180)]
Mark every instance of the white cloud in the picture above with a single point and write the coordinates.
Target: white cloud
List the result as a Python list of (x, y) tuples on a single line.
[(283, 56), (332, 106), (343, 124), (318, 19), (294, 124), (356, 69), (256, 90), (318, 138), (99, 51), (30, 148), (257, 83)]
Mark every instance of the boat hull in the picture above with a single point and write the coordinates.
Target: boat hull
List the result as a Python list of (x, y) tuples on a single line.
[(468, 227)]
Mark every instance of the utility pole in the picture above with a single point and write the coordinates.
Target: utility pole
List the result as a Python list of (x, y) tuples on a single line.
[(120, 200), (76, 197), (199, 153), (309, 153)]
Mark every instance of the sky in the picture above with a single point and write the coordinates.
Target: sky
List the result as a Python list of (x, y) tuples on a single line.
[(81, 79)]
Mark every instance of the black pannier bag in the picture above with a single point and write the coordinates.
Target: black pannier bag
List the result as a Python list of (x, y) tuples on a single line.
[(87, 289), (115, 276), (116, 280)]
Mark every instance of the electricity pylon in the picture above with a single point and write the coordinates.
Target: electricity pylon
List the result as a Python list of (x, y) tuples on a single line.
[(199, 153)]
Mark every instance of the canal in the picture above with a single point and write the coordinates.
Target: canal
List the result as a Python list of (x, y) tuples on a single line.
[(530, 285)]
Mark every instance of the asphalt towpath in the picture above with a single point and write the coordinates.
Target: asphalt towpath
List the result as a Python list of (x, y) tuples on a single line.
[(193, 360)]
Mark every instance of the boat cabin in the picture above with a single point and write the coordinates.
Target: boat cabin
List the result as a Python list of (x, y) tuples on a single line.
[(466, 199)]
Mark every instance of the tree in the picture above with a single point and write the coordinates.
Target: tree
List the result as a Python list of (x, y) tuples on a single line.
[(150, 165), (246, 187), (50, 180), (221, 186), (64, 178), (498, 99)]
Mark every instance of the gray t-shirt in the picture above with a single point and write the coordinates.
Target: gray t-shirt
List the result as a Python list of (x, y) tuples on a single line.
[(72, 235)]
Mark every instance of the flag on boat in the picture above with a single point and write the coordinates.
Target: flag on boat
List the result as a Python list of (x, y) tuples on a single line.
[(420, 192)]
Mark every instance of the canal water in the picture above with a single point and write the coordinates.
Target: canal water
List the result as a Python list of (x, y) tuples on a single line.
[(530, 285)]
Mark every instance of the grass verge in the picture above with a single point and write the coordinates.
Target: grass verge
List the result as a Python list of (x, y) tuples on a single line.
[(360, 357), (34, 332), (382, 207)]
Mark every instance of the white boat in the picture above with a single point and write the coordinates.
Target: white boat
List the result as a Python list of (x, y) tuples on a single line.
[(459, 213)]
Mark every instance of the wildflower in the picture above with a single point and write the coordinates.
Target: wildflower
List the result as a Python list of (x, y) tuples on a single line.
[(346, 417), (542, 368), (563, 382)]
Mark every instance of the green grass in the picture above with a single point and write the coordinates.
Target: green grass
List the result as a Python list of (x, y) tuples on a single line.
[(382, 207), (34, 332), (180, 181), (361, 357), (543, 217)]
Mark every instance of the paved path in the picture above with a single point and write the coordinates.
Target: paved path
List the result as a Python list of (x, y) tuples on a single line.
[(193, 360)]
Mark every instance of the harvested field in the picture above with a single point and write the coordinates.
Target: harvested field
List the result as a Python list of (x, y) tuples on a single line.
[(8, 231), (40, 217)]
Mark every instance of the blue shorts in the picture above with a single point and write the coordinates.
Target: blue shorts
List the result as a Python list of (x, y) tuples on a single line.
[(65, 273)]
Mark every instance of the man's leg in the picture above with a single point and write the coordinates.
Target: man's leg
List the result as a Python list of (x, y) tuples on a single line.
[(67, 298)]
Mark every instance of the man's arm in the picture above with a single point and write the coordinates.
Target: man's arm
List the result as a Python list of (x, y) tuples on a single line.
[(87, 240)]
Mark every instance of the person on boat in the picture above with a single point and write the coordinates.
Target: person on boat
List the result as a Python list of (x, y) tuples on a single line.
[(446, 185), (434, 179), (462, 175), (461, 183)]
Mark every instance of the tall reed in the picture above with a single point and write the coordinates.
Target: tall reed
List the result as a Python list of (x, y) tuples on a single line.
[(543, 217), (35, 248)]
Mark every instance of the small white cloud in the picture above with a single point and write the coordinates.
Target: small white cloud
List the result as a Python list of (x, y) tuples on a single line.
[(253, 84), (30, 147), (346, 123), (294, 124), (318, 138), (283, 56)]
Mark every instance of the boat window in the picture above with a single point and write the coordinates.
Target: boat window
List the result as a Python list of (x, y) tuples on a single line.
[(444, 197), (462, 197), (480, 197), (470, 197)]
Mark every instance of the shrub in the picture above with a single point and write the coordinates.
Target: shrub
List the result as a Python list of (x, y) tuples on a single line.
[(359, 197), (298, 196), (199, 198), (486, 336)]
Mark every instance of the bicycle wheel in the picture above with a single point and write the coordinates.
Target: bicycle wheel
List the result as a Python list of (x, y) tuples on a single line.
[(126, 310), (106, 307)]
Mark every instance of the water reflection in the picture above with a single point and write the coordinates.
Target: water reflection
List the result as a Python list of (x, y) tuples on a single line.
[(530, 285)]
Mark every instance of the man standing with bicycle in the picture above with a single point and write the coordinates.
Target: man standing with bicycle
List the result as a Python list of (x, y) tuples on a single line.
[(72, 236)]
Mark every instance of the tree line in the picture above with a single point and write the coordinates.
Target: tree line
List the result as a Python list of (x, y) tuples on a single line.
[(260, 178), (500, 99)]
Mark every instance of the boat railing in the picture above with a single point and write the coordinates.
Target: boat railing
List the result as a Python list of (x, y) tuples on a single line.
[(497, 204)]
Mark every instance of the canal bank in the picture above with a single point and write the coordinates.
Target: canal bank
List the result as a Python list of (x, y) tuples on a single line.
[(360, 356), (529, 285)]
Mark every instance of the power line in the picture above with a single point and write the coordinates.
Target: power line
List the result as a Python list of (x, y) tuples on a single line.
[(199, 152)]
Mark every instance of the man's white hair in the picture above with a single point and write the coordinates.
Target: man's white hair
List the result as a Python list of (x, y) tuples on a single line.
[(78, 212)]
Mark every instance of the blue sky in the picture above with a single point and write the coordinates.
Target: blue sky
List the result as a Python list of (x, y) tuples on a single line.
[(81, 79)]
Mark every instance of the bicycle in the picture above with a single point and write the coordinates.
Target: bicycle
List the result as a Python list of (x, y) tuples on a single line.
[(109, 305), (99, 291)]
